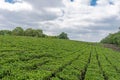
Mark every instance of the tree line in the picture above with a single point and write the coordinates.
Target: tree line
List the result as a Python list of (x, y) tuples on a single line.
[(19, 31), (112, 39)]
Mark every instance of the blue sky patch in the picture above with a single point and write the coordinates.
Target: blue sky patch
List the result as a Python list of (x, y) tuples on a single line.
[(71, 0), (111, 3), (93, 2), (10, 1), (13, 1)]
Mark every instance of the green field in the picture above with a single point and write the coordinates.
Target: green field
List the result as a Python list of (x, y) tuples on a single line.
[(28, 58)]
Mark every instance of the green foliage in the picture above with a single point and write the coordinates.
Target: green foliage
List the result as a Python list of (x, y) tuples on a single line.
[(112, 39), (28, 58), (52, 37), (39, 33), (63, 35), (5, 32), (18, 31), (29, 32), (34, 33)]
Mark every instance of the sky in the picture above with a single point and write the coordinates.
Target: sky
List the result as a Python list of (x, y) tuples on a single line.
[(83, 20)]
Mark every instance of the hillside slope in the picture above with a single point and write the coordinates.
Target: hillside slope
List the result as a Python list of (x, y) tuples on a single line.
[(27, 58), (112, 39)]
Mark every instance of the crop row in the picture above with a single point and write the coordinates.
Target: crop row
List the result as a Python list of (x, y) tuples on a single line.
[(108, 68), (50, 59)]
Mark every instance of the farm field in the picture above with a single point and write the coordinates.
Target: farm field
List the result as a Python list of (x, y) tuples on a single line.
[(28, 58)]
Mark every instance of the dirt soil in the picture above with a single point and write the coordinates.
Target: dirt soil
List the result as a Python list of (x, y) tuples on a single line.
[(114, 47)]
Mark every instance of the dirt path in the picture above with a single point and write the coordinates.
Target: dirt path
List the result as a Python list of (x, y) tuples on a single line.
[(114, 47)]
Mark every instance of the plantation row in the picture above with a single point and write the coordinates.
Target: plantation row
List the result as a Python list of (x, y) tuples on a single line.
[(27, 58)]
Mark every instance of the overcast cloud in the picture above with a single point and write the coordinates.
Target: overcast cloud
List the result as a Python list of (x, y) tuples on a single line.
[(84, 20)]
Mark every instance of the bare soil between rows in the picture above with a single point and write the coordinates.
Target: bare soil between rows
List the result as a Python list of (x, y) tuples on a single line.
[(112, 46)]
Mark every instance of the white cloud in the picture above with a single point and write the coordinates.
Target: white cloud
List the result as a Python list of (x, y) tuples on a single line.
[(57, 11), (79, 19), (16, 6), (80, 14)]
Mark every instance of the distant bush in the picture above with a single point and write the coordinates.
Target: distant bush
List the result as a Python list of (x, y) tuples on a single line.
[(5, 32), (63, 35), (33, 32), (19, 31)]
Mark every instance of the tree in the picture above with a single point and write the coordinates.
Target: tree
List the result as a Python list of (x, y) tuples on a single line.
[(18, 31), (29, 32), (38, 33), (33, 32), (63, 35), (112, 39), (5, 32)]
